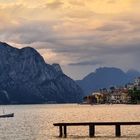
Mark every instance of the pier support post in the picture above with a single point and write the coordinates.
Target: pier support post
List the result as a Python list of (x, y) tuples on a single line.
[(91, 130), (118, 130), (65, 131), (60, 132)]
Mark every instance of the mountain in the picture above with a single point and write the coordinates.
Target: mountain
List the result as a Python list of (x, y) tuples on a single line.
[(105, 77), (26, 78)]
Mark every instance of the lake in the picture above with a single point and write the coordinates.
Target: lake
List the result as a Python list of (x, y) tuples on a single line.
[(35, 122)]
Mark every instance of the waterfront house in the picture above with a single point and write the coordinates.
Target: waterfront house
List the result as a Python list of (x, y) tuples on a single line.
[(115, 96), (95, 98), (90, 99), (130, 86), (137, 81)]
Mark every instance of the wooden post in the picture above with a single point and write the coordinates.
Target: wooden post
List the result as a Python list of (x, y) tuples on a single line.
[(118, 130), (65, 131), (91, 130), (60, 131)]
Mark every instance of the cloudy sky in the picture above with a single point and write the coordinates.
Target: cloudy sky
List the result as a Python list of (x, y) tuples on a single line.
[(80, 35)]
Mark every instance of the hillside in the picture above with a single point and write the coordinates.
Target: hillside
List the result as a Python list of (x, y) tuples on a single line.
[(105, 77), (26, 78)]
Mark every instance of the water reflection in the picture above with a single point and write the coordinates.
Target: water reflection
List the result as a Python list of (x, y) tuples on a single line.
[(35, 122)]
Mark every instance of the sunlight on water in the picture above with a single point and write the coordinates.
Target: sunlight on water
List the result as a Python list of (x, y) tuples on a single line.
[(35, 122)]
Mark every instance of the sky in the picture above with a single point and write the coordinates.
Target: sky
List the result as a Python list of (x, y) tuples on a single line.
[(80, 35)]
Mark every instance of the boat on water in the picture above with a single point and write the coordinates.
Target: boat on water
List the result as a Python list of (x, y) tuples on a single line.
[(7, 115)]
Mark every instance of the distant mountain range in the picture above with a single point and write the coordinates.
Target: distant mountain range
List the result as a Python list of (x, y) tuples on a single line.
[(106, 77), (25, 78)]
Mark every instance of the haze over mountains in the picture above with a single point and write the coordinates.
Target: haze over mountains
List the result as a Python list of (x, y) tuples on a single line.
[(106, 77), (26, 78)]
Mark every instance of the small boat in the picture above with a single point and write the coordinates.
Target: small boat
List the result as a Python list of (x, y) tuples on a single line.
[(7, 115)]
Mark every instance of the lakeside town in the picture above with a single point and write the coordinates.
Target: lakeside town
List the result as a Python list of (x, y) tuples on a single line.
[(128, 94)]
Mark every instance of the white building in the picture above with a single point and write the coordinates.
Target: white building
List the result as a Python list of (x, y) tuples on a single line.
[(137, 81), (130, 86)]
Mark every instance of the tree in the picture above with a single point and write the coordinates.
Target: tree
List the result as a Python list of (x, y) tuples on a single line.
[(135, 95)]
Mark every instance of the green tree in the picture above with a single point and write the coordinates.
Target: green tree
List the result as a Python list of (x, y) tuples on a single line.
[(135, 96)]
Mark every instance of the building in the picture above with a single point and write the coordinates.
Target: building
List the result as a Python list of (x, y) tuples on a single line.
[(90, 99), (130, 86), (95, 98), (137, 81), (119, 95)]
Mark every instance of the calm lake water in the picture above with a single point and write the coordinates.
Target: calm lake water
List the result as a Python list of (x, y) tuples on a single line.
[(35, 122)]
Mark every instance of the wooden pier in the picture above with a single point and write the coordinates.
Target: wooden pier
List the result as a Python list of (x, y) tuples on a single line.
[(63, 127)]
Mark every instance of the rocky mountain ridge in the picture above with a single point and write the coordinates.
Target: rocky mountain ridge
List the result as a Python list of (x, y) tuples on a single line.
[(105, 77), (26, 78)]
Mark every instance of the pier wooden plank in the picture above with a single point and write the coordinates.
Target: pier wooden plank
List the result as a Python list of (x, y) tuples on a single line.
[(97, 123)]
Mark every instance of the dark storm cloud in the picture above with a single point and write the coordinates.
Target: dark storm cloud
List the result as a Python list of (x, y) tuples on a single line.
[(29, 32), (38, 31), (103, 54)]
